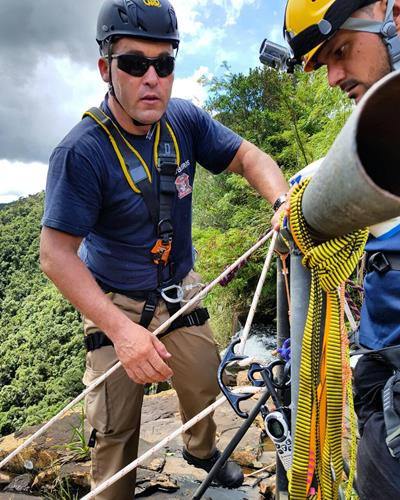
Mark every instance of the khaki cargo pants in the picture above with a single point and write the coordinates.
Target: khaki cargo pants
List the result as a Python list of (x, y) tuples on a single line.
[(114, 407)]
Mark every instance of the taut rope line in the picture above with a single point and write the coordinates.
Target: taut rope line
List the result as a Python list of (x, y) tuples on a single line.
[(113, 479), (257, 294)]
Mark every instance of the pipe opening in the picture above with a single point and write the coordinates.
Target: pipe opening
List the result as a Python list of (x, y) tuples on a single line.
[(378, 135)]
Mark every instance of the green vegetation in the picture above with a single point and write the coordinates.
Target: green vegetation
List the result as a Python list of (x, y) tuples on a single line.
[(77, 444), (41, 354), (293, 118)]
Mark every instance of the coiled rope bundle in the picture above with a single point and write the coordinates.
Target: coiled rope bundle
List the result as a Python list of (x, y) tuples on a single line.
[(317, 457)]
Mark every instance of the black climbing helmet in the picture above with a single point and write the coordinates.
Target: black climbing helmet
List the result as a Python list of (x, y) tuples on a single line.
[(151, 19)]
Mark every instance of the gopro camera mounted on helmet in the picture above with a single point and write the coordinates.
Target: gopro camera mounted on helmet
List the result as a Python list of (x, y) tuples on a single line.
[(277, 56)]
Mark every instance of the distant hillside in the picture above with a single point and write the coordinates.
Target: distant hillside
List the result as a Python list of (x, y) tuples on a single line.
[(41, 351)]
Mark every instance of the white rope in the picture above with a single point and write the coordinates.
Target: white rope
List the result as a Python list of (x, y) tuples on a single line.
[(256, 297), (58, 416), (161, 328), (258, 471), (166, 440), (350, 317)]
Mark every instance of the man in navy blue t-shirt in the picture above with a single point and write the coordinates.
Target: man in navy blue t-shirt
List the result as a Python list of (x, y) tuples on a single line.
[(116, 237)]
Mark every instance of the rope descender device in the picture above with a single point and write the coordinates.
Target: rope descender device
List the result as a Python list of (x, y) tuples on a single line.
[(161, 251), (276, 422)]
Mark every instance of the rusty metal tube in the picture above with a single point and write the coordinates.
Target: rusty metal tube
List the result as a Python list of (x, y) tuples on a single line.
[(358, 183)]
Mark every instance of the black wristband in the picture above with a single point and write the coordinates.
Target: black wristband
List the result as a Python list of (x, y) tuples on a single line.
[(279, 202)]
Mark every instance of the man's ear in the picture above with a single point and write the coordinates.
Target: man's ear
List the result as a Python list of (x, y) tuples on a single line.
[(103, 68)]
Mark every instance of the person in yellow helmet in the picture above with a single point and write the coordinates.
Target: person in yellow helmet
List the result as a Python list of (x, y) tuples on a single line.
[(324, 31), (359, 43)]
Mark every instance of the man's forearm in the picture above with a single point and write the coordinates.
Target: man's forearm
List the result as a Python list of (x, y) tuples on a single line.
[(264, 175), (141, 354), (260, 171)]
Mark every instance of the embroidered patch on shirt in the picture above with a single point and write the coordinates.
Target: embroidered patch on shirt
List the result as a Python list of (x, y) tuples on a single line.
[(182, 185)]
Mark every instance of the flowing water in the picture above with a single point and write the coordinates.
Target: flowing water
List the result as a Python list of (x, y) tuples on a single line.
[(261, 342)]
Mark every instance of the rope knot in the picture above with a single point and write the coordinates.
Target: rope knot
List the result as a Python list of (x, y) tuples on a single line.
[(333, 260)]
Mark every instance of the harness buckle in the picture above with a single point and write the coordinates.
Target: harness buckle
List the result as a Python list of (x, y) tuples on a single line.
[(378, 262), (167, 165)]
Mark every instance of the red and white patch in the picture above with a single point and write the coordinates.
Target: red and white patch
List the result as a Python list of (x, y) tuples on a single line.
[(183, 186)]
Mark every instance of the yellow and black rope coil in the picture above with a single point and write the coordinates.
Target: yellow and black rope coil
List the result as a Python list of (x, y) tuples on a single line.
[(317, 459)]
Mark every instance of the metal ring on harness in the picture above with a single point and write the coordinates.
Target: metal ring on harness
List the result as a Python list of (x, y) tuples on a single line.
[(172, 300)]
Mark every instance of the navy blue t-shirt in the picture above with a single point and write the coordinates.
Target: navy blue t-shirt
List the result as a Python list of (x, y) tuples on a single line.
[(88, 195), (380, 315)]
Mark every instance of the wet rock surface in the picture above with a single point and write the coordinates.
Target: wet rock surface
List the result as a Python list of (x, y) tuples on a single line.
[(48, 466)]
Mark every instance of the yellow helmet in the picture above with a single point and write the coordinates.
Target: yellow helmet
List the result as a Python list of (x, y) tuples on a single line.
[(310, 23)]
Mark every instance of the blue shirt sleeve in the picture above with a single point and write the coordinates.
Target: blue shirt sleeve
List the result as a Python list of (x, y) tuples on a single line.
[(73, 193), (214, 145)]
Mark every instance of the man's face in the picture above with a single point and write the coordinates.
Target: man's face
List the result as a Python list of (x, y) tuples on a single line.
[(355, 60), (144, 98)]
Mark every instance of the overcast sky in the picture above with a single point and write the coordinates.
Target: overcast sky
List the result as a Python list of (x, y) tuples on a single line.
[(48, 57)]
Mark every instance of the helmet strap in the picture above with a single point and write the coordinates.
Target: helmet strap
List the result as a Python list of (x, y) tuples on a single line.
[(386, 29), (110, 85)]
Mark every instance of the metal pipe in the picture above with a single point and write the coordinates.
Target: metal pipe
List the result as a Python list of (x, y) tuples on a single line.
[(283, 333), (300, 279), (358, 183)]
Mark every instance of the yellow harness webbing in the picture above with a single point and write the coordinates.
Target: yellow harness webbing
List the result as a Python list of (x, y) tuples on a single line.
[(97, 114), (318, 434)]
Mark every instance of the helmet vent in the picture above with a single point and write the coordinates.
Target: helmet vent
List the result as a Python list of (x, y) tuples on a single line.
[(141, 26), (123, 16), (174, 24)]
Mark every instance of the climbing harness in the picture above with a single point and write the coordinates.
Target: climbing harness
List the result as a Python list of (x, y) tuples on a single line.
[(138, 175), (166, 157), (382, 262), (317, 457), (197, 298)]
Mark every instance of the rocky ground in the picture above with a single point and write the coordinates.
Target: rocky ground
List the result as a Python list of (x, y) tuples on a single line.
[(53, 468)]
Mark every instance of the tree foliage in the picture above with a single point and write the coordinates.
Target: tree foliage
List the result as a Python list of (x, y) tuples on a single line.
[(293, 118), (41, 349)]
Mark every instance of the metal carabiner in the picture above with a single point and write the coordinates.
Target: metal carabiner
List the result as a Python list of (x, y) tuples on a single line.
[(172, 300)]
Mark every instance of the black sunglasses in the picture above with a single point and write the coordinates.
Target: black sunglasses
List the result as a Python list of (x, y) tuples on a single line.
[(137, 65)]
